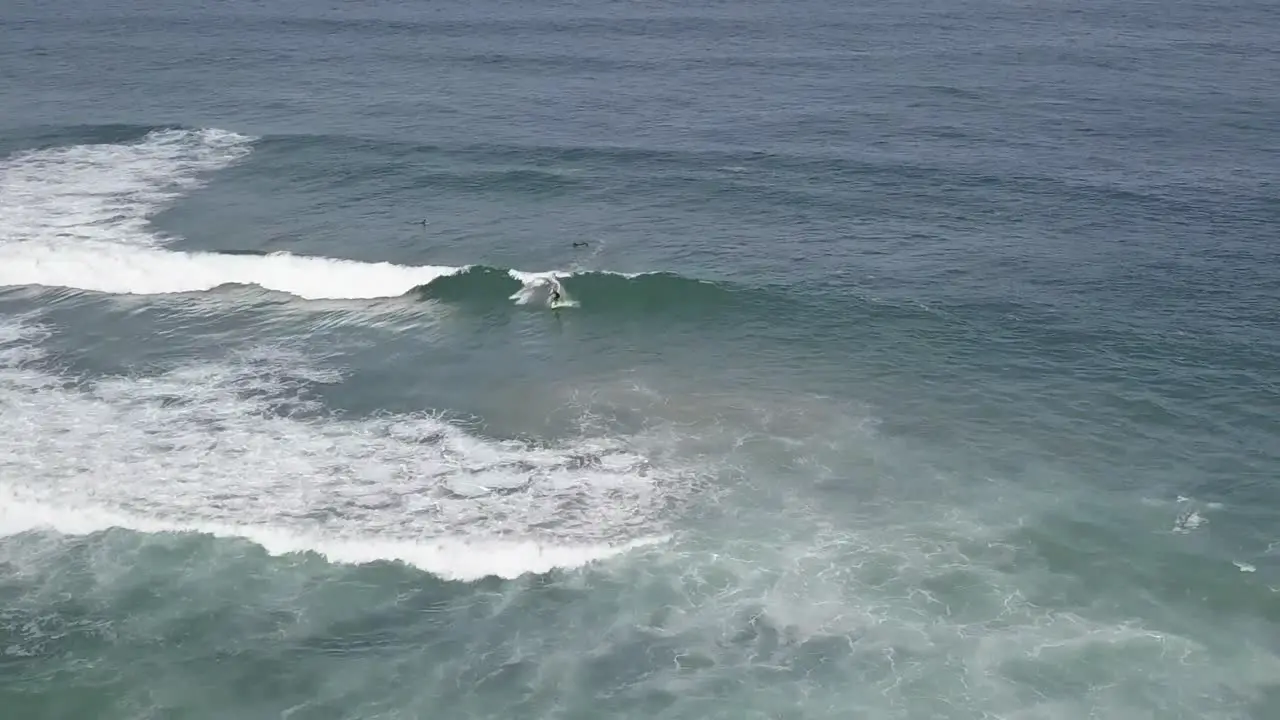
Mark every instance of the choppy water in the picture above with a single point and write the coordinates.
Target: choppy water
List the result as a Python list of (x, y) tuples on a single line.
[(922, 360)]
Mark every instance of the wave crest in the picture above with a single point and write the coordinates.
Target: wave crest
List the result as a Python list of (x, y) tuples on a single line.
[(115, 269)]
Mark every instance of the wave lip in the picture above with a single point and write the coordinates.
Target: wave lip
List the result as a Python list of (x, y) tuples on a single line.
[(593, 290)]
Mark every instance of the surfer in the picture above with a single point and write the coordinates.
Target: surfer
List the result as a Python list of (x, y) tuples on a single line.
[(579, 244), (557, 292)]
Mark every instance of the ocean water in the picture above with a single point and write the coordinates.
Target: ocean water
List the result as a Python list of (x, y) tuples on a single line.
[(920, 360)]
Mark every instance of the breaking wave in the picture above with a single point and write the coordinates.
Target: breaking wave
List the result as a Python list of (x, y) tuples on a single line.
[(126, 270), (77, 217)]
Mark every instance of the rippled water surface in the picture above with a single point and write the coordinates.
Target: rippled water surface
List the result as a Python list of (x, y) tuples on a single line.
[(913, 360)]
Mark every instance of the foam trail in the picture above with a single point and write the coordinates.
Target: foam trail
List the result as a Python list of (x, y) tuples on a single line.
[(106, 192), (145, 271), (449, 558), (215, 448)]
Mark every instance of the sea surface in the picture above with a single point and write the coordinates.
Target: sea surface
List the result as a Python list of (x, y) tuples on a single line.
[(917, 360)]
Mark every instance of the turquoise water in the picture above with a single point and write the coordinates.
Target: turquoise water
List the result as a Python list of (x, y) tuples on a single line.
[(922, 360)]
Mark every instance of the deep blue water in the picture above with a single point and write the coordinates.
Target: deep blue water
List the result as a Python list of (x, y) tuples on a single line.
[(919, 360)]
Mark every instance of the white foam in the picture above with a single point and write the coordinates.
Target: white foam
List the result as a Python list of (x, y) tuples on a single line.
[(537, 286), (106, 192), (448, 558), (537, 278), (116, 269), (212, 448)]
